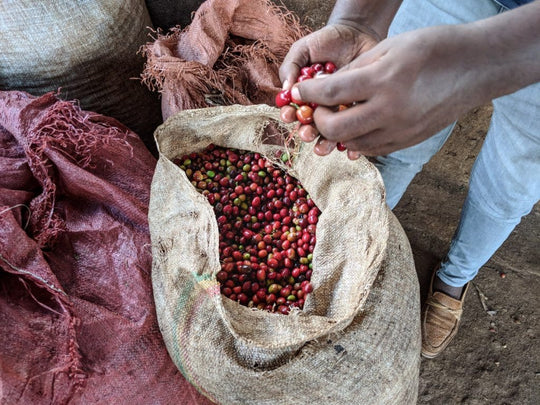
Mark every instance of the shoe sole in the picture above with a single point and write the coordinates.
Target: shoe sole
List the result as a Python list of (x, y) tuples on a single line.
[(429, 356)]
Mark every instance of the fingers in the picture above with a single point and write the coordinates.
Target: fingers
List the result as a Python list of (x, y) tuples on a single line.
[(366, 58), (353, 155), (296, 58), (347, 126), (376, 143), (343, 126), (357, 81), (341, 87), (323, 146)]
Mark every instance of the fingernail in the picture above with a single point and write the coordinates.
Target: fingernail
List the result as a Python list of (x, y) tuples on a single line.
[(285, 85), (295, 93), (324, 146)]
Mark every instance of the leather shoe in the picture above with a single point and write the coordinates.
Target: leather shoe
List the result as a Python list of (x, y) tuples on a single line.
[(440, 320)]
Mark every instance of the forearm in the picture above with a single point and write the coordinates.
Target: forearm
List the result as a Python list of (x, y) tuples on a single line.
[(508, 48), (375, 14)]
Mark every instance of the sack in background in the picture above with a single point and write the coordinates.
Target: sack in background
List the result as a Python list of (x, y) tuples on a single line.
[(339, 349), (88, 49), (77, 316), (229, 54)]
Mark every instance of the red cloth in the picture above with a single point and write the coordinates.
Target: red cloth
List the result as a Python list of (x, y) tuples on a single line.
[(77, 317), (229, 54)]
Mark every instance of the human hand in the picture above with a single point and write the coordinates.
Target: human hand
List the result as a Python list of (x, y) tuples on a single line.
[(339, 43), (407, 88)]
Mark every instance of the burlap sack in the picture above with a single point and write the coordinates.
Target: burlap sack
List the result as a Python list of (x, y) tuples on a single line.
[(335, 351), (87, 49)]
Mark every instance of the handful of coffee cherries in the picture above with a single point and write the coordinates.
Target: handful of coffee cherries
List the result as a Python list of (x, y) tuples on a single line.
[(304, 111)]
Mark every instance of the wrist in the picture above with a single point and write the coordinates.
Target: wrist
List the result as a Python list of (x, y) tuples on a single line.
[(371, 15), (360, 28)]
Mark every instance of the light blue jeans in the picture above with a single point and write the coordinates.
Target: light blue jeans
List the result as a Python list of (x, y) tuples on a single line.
[(505, 179)]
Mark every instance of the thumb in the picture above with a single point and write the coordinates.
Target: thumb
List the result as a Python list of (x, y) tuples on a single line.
[(297, 58), (341, 87)]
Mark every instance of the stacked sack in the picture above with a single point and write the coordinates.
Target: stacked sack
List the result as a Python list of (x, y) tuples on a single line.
[(86, 50)]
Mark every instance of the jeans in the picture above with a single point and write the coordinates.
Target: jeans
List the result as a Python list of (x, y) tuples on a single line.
[(505, 179)]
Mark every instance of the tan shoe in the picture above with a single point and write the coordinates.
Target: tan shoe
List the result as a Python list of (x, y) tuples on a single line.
[(440, 320)]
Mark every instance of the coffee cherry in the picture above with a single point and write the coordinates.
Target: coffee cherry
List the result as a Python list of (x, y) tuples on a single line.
[(301, 111), (304, 114), (266, 223), (341, 147), (283, 98)]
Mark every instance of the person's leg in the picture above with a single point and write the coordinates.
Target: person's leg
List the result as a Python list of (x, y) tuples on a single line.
[(399, 168), (504, 186)]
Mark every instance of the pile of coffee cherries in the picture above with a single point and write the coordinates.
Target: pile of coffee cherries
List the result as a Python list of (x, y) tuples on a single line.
[(266, 222), (304, 112)]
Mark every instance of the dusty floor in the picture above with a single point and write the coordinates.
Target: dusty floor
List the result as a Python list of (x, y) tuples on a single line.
[(495, 358)]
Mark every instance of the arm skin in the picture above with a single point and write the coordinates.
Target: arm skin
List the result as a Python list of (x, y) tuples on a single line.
[(414, 84), (375, 14)]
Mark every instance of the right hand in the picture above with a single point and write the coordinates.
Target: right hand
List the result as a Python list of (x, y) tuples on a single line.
[(338, 43)]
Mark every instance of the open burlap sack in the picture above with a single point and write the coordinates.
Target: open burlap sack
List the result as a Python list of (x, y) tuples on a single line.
[(337, 350)]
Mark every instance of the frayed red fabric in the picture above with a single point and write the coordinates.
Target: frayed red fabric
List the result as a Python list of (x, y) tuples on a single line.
[(229, 54), (77, 316)]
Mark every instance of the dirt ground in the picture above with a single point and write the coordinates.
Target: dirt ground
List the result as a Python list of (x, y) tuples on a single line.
[(495, 358)]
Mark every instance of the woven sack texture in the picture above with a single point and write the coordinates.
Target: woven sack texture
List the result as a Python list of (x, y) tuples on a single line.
[(336, 350), (87, 49), (77, 316), (229, 54)]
